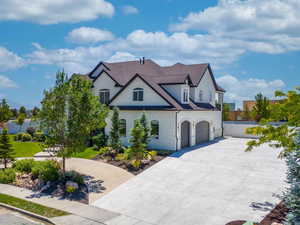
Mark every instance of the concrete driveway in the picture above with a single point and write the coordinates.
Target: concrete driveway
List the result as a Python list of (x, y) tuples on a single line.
[(211, 185)]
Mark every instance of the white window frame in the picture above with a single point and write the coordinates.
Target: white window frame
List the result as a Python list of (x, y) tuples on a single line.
[(200, 96), (156, 136), (139, 92), (185, 95), (106, 96)]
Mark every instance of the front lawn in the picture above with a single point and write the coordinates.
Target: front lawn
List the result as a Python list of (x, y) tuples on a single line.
[(31, 207), (88, 153), (25, 149)]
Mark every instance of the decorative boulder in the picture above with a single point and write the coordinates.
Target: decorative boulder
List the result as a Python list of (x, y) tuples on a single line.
[(72, 184)]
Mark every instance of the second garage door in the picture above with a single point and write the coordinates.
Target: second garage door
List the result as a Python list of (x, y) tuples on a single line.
[(202, 132)]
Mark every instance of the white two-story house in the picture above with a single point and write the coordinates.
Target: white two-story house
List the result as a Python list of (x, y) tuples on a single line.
[(182, 102)]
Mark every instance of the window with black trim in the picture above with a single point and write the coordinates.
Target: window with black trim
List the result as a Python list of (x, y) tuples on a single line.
[(122, 127), (155, 129), (104, 96), (138, 94), (200, 96)]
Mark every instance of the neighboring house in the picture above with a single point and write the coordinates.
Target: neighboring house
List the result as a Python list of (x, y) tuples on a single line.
[(251, 103), (182, 103)]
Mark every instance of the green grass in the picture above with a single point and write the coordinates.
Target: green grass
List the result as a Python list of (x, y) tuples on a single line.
[(25, 149), (88, 153), (31, 207)]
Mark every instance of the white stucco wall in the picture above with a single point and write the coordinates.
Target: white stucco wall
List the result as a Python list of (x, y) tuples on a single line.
[(150, 96), (207, 86), (167, 127), (105, 82), (238, 129), (213, 117)]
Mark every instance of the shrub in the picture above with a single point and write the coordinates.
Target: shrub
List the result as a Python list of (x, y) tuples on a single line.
[(70, 189), (30, 130), (24, 165), (74, 176), (18, 137), (105, 151), (26, 137), (99, 141), (136, 163), (151, 154), (39, 136), (7, 176), (46, 170)]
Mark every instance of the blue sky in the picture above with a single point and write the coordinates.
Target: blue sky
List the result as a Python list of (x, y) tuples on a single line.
[(252, 45)]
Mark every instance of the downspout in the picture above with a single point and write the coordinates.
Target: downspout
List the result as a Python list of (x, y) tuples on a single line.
[(176, 119)]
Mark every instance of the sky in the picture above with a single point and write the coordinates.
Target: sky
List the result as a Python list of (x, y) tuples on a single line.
[(252, 45)]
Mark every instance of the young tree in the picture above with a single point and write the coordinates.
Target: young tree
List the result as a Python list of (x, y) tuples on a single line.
[(225, 113), (6, 150), (114, 134), (5, 113), (69, 113), (145, 126), (14, 113), (137, 150), (284, 134), (35, 112), (22, 110), (261, 109), (20, 120)]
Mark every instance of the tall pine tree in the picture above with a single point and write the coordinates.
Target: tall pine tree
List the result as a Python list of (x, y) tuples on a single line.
[(6, 150), (114, 135), (145, 126)]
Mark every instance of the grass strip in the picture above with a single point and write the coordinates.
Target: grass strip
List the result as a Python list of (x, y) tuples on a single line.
[(31, 206)]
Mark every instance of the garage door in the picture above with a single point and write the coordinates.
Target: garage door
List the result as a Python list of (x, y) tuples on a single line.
[(202, 132), (185, 134)]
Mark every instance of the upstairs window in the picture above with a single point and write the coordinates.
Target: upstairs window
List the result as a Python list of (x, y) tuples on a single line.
[(210, 96), (104, 96), (200, 96), (122, 128), (155, 129), (186, 95), (138, 94)]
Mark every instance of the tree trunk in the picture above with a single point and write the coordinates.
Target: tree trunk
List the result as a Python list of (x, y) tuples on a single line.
[(5, 163), (64, 165)]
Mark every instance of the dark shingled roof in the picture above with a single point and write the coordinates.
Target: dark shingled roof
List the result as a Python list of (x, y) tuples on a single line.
[(123, 73)]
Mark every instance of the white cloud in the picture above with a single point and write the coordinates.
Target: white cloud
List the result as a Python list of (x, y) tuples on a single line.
[(54, 11), (9, 60), (122, 56), (238, 90), (128, 9), (269, 26), (89, 35), (163, 48), (5, 82)]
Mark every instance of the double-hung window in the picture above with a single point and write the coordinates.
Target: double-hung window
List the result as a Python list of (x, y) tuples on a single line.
[(138, 94), (104, 96)]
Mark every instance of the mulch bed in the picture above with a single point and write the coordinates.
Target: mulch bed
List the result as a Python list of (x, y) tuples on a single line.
[(277, 215), (122, 164)]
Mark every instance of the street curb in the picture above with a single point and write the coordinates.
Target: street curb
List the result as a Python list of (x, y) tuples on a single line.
[(45, 219)]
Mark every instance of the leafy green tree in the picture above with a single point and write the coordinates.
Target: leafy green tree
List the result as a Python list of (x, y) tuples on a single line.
[(282, 135), (137, 150), (225, 113), (69, 113), (114, 134), (20, 120), (22, 110), (6, 149), (14, 113), (145, 126), (35, 111), (261, 109), (5, 113)]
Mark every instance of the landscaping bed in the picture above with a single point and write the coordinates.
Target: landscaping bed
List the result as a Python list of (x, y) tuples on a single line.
[(124, 164), (277, 215)]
